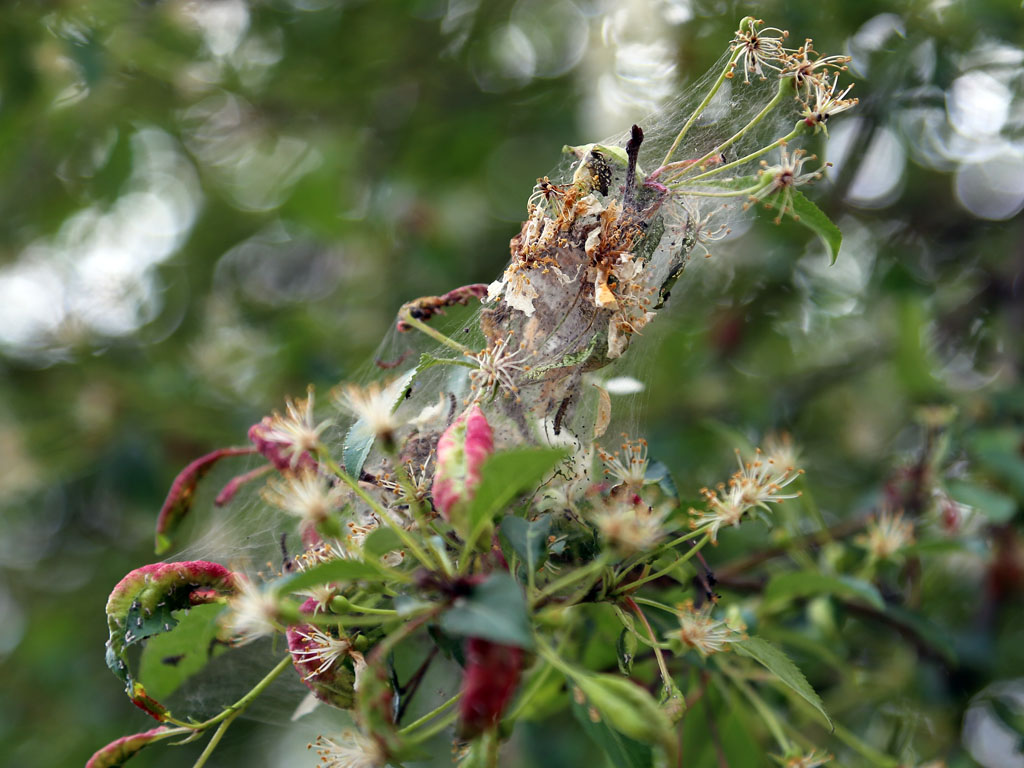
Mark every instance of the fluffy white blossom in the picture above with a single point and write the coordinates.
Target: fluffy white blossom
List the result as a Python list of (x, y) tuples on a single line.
[(374, 405), (351, 750), (704, 634), (252, 613), (297, 431)]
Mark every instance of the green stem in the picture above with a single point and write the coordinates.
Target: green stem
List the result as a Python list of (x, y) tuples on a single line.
[(379, 611), (668, 569), (215, 739), (634, 561), (737, 193), (784, 85), (666, 678), (243, 702), (492, 748), (535, 685), (170, 733), (648, 643), (656, 604), (430, 715), (595, 565), (703, 105), (329, 620), (435, 334), (340, 604), (551, 657), (434, 729), (411, 624), (466, 555), (528, 694), (367, 698), (752, 156), (875, 757), (407, 540)]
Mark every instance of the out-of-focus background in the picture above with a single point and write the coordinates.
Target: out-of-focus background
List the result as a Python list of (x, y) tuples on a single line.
[(206, 205)]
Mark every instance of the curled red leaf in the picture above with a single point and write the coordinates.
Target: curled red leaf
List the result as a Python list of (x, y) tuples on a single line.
[(182, 493), (120, 750)]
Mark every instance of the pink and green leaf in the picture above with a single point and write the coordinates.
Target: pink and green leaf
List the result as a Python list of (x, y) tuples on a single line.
[(179, 499), (118, 752), (143, 604)]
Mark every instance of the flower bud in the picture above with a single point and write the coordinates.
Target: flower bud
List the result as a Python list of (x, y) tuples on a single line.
[(461, 451), (491, 677), (629, 709)]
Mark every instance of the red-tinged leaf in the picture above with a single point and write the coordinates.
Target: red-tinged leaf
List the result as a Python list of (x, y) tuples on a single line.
[(143, 604), (147, 703), (179, 499), (227, 493), (813, 218), (118, 752)]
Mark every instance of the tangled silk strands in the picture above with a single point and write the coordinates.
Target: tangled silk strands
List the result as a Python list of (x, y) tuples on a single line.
[(381, 482)]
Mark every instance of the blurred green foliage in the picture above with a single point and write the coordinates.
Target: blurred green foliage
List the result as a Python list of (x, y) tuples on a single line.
[(208, 204)]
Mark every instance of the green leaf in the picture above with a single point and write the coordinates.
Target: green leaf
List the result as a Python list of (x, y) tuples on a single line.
[(780, 665), (451, 647), (380, 541), (504, 476), (529, 540), (811, 216), (495, 611), (333, 570), (785, 587), (358, 442), (172, 657), (996, 506), (145, 603), (610, 151), (735, 183), (1001, 452), (625, 650), (621, 751), (146, 623), (658, 472), (429, 361), (182, 493)]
